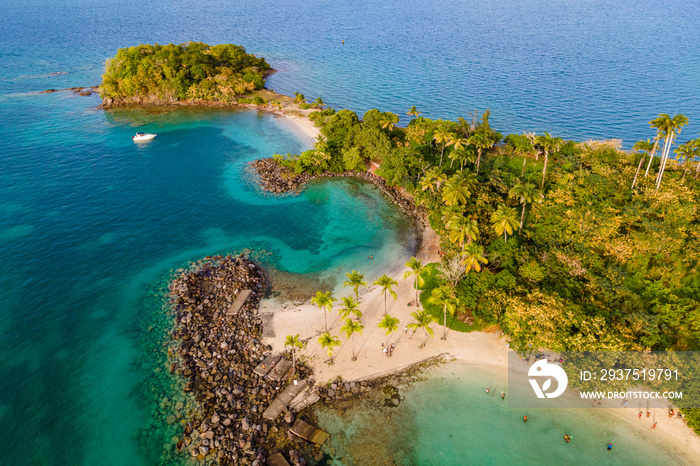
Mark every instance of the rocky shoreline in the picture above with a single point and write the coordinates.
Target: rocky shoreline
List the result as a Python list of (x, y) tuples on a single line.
[(217, 354), (275, 178)]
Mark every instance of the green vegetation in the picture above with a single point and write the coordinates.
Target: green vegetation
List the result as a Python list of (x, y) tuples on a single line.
[(386, 282), (390, 324), (329, 341), (350, 328), (355, 280), (189, 71), (562, 252), (564, 245), (294, 343), (324, 301)]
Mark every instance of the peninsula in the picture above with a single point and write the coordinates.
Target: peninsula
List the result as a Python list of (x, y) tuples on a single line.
[(530, 242)]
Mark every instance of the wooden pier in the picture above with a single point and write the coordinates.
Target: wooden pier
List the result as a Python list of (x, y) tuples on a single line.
[(277, 460), (238, 303), (280, 403), (280, 370), (266, 366), (309, 432)]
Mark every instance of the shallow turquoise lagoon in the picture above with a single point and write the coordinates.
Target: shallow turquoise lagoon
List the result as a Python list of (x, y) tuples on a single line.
[(448, 418)]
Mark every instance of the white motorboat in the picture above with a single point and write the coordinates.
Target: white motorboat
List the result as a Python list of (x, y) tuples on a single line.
[(143, 137)]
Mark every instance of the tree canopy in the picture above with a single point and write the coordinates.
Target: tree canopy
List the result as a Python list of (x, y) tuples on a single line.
[(189, 71)]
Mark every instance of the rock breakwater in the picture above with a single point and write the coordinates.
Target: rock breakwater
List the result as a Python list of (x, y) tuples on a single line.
[(275, 178), (218, 350)]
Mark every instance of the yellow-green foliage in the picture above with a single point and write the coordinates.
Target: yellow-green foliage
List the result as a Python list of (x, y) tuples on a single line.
[(190, 71)]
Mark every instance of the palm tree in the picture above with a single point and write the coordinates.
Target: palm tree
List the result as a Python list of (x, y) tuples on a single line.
[(458, 188), (504, 221), (685, 152), (389, 121), (480, 141), (473, 257), (696, 143), (548, 144), (655, 123), (526, 146), (329, 341), (423, 319), (646, 148), (462, 229), (413, 111), (319, 103), (390, 324), (294, 342), (462, 156), (527, 193), (350, 328), (442, 296), (349, 307), (324, 301), (442, 137), (660, 123), (416, 268), (299, 98), (457, 144), (428, 181), (671, 127), (386, 282), (356, 280)]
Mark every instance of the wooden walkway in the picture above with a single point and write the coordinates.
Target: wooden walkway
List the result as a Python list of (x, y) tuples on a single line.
[(266, 366), (277, 460), (238, 303), (280, 370), (309, 432), (280, 403)]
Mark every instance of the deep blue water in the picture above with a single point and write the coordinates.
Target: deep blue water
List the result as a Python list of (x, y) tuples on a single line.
[(90, 222), (579, 69)]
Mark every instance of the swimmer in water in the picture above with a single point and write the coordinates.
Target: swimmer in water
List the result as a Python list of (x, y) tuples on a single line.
[(567, 438), (524, 418), (609, 446), (487, 389)]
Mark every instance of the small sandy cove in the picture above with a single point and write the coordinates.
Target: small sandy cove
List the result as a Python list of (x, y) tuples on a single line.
[(480, 348)]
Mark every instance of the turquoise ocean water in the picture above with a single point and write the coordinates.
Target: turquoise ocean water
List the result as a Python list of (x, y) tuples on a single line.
[(90, 223), (448, 418)]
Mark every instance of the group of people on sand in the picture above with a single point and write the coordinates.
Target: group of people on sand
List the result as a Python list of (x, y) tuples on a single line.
[(388, 351)]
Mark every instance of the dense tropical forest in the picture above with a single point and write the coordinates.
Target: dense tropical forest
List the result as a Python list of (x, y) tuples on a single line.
[(565, 245), (570, 246), (189, 71)]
